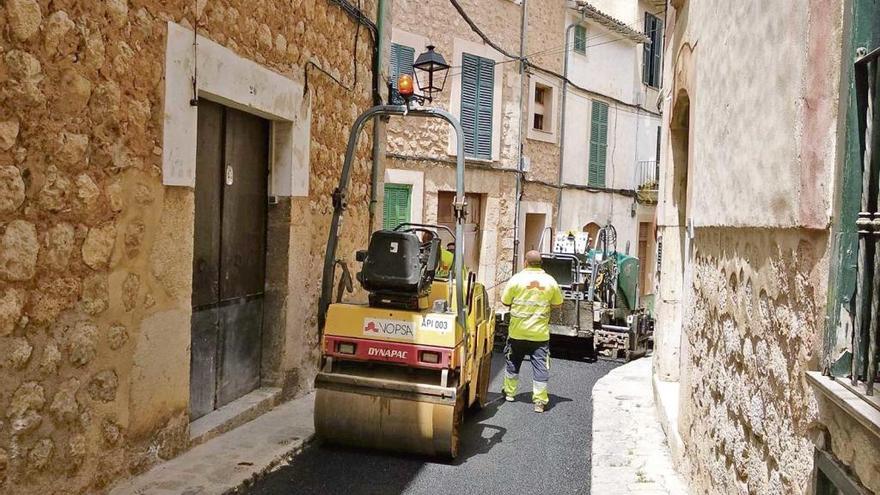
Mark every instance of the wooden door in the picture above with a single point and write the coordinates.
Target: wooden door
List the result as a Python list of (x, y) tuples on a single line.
[(229, 256)]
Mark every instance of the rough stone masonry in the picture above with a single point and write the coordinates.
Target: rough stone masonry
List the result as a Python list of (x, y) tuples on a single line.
[(96, 254)]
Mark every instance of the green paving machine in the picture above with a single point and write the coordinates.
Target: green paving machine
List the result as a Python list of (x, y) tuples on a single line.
[(601, 309)]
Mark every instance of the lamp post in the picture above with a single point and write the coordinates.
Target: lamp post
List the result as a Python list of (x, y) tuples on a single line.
[(430, 70)]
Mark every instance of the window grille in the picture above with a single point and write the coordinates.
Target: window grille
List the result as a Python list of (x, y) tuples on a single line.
[(867, 311)]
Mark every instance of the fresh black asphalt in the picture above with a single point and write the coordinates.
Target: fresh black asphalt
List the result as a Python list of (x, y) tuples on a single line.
[(506, 448)]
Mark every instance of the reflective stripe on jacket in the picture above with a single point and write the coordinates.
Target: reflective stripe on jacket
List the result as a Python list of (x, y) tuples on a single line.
[(530, 294)]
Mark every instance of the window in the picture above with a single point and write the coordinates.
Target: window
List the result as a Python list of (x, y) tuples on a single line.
[(852, 341), (402, 58), (538, 114), (542, 109), (580, 39), (865, 350), (397, 205), (598, 144), (477, 94), (651, 66)]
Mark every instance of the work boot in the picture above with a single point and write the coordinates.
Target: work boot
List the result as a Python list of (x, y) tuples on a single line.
[(539, 407)]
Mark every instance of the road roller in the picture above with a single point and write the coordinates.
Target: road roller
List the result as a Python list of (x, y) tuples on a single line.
[(398, 371)]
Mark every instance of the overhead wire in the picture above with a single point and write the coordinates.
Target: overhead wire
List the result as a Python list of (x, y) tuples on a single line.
[(531, 65), (568, 45)]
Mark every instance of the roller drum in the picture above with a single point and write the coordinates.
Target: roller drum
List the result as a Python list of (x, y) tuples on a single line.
[(387, 420)]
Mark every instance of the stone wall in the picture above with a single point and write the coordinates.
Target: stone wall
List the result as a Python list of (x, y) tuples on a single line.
[(96, 255), (752, 329), (441, 25)]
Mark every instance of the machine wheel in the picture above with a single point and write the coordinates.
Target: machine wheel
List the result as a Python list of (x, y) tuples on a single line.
[(483, 381)]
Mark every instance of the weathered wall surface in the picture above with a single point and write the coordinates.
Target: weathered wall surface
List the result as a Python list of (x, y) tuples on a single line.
[(769, 135), (96, 255), (752, 329)]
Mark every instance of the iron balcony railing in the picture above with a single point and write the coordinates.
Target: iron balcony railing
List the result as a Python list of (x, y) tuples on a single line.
[(865, 332), (647, 173)]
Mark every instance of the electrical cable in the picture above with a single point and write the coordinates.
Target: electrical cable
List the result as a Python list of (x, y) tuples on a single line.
[(528, 64)]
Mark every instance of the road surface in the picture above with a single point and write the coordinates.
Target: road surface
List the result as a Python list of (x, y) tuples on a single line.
[(506, 449)]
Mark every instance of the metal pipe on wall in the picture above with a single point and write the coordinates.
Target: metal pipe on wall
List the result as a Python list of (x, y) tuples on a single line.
[(377, 99), (562, 127), (519, 166)]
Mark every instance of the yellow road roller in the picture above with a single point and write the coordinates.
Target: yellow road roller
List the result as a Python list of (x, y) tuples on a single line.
[(398, 372)]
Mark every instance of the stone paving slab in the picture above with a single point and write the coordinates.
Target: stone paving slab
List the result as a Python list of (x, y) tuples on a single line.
[(232, 459), (630, 454)]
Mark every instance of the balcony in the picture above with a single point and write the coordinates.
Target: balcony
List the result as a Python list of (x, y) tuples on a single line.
[(647, 181)]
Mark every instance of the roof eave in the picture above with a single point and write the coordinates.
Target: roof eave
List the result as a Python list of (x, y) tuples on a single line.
[(610, 23)]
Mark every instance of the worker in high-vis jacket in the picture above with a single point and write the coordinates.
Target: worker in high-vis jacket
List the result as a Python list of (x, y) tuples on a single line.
[(530, 294)]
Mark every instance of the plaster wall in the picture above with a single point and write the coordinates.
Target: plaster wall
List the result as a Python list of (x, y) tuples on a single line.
[(632, 136), (623, 11), (582, 207), (769, 136), (97, 252), (609, 65)]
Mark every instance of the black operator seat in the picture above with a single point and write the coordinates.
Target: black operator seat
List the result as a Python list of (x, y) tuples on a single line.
[(399, 263)]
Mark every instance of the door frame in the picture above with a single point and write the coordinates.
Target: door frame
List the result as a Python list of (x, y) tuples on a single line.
[(280, 99)]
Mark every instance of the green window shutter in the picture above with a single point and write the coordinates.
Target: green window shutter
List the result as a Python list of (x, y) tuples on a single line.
[(402, 58), (397, 205), (598, 144), (651, 52), (647, 55), (657, 47), (477, 94), (580, 39)]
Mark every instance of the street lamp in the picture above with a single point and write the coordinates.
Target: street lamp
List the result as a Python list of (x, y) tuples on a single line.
[(431, 70)]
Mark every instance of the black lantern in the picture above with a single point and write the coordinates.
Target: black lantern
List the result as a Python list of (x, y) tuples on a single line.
[(431, 70)]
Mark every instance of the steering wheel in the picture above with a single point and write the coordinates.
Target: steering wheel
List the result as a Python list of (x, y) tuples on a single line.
[(425, 227)]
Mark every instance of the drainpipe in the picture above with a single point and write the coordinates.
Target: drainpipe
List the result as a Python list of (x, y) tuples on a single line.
[(377, 99), (522, 120), (568, 31)]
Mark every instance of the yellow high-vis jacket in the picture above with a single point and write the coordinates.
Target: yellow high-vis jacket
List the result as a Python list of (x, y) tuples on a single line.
[(530, 295)]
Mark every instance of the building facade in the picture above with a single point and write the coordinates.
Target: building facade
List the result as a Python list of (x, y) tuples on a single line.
[(487, 90), (612, 124), (520, 119), (165, 180), (761, 370)]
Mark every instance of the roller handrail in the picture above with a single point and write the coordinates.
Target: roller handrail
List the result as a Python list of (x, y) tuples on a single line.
[(339, 206)]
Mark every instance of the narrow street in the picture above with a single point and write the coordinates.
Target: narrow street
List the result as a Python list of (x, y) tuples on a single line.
[(500, 446)]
